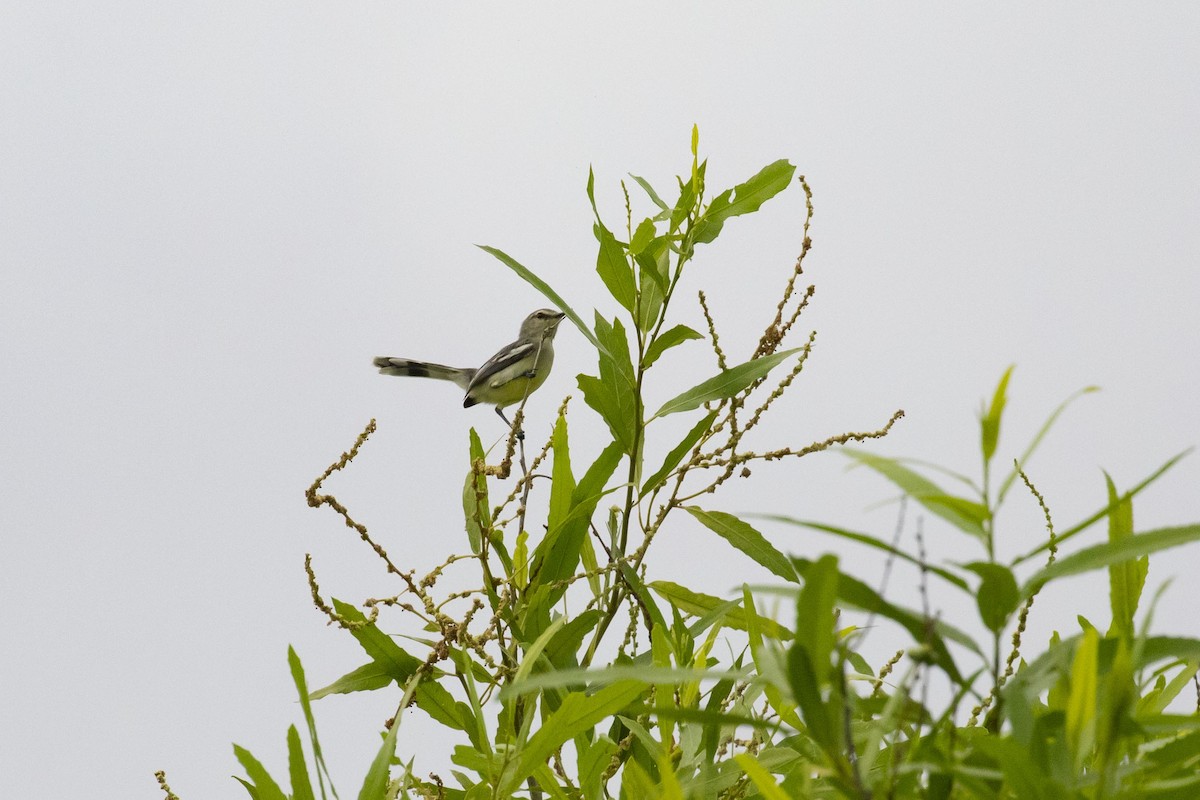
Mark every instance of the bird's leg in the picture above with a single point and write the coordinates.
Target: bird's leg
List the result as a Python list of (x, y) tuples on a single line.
[(500, 411)]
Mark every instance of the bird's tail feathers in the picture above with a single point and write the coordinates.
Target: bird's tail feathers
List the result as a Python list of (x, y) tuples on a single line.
[(423, 369)]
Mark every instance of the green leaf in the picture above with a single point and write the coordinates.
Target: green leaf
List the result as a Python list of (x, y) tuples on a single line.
[(727, 384), (378, 645), (533, 280), (769, 663), (871, 541), (562, 649), (375, 783), (677, 453), (642, 236), (1015, 762), (562, 480), (1081, 704), (1037, 439), (653, 285), (1157, 648), (436, 701), (806, 689), (367, 678), (534, 650), (1102, 555), (602, 398), (1126, 579), (964, 514), (989, 422), (593, 761), (476, 508), (297, 769), (249, 787), (701, 605), (613, 395), (814, 614), (635, 584), (653, 195), (744, 198), (297, 670), (613, 268), (998, 595), (666, 340), (578, 714), (265, 787), (746, 539), (636, 783), (766, 784), (1085, 524), (684, 205), (855, 593), (564, 539)]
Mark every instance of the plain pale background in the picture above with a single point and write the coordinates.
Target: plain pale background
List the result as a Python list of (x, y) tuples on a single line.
[(213, 215)]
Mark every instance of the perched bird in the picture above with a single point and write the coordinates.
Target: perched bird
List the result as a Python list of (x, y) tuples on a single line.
[(513, 373)]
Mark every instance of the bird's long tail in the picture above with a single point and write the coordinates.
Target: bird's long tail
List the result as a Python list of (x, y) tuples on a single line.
[(423, 369)]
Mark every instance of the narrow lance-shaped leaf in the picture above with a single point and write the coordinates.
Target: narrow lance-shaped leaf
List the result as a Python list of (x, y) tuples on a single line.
[(814, 614), (562, 479), (677, 453), (653, 195), (989, 421), (964, 514), (871, 541), (265, 786), (643, 235), (476, 509), (297, 768), (564, 539), (744, 198), (806, 689), (666, 340), (375, 783), (367, 678), (1075, 529), (378, 645), (998, 595), (1081, 704), (533, 280), (1101, 555), (725, 385), (614, 270), (854, 592), (613, 394), (1037, 439), (297, 670), (763, 781), (727, 612), (436, 701), (770, 664), (746, 539), (1126, 579), (578, 713)]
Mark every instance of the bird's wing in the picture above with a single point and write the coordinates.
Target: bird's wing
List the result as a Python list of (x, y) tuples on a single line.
[(497, 370)]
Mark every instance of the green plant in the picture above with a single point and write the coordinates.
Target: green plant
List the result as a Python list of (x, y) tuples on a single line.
[(548, 703)]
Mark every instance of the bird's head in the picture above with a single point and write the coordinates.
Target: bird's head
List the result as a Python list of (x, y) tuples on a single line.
[(541, 324)]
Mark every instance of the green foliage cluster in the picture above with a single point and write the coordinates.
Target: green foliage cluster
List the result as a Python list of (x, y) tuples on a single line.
[(693, 695)]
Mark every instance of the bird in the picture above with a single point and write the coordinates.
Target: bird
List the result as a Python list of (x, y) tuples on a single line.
[(508, 377)]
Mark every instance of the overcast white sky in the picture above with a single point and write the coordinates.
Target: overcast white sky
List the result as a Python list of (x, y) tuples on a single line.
[(213, 215)]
